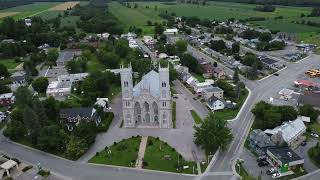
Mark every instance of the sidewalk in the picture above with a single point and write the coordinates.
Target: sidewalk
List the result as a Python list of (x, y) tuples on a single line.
[(142, 149)]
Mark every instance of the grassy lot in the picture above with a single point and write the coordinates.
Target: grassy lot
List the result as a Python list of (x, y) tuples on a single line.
[(135, 17), (199, 77), (123, 153), (309, 37), (228, 114), (155, 157), (197, 119), (315, 127), (174, 114), (9, 63)]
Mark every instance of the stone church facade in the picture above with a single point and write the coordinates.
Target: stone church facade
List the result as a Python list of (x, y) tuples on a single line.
[(148, 103)]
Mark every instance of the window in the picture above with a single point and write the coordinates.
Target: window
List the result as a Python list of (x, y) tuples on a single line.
[(126, 84), (164, 84), (164, 104), (127, 103)]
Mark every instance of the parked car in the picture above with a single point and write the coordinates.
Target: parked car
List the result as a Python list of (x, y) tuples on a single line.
[(276, 74), (263, 163), (314, 135), (271, 171), (304, 143), (261, 158), (275, 175)]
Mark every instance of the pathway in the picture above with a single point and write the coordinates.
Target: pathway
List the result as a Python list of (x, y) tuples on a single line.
[(142, 149)]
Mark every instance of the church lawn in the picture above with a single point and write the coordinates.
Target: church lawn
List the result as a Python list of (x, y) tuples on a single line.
[(165, 159), (123, 153), (9, 63), (195, 117)]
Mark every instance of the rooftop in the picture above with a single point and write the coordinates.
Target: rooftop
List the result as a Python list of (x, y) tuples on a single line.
[(284, 154), (311, 98), (65, 56), (6, 95), (213, 89), (78, 111), (150, 82)]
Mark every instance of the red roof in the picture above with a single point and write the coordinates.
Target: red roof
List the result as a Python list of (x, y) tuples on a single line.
[(306, 83)]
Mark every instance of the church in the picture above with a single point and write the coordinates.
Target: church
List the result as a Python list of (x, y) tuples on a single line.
[(148, 103)]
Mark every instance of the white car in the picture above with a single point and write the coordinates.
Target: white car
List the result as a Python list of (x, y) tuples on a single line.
[(314, 135), (275, 175)]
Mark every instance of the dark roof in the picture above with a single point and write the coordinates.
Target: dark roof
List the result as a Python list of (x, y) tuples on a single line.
[(68, 55), (267, 60), (284, 154), (84, 112), (260, 138), (213, 89), (311, 98)]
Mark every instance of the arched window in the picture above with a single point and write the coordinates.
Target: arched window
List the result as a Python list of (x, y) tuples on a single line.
[(164, 84), (146, 107), (126, 84)]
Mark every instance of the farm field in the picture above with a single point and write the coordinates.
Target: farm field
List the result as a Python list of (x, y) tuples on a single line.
[(135, 17), (215, 10), (43, 9)]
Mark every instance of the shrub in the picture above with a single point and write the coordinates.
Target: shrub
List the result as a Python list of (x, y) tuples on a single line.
[(145, 164), (114, 143), (97, 153), (106, 148), (27, 168), (150, 143), (44, 173)]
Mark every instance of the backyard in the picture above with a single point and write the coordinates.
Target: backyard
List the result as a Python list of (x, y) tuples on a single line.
[(9, 63)]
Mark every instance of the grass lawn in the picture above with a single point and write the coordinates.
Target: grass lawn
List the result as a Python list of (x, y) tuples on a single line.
[(199, 77), (197, 119), (123, 153), (155, 158), (309, 37), (9, 63), (315, 127)]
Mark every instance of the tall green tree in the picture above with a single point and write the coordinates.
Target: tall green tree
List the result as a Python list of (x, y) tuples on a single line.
[(181, 46), (52, 57), (52, 139), (75, 147), (4, 71), (309, 111), (213, 134), (236, 78), (40, 84)]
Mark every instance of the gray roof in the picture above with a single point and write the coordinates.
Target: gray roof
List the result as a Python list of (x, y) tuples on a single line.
[(213, 89), (84, 112), (260, 138), (267, 60), (284, 154), (65, 56), (150, 82)]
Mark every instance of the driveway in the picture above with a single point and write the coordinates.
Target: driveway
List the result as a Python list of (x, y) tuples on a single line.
[(302, 151)]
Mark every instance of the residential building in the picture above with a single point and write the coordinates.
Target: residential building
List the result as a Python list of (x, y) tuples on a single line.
[(148, 103), (72, 117), (215, 103), (268, 62), (311, 98), (212, 91), (3, 116), (207, 69), (66, 56), (290, 133), (103, 103), (27, 22), (259, 141), (59, 90), (192, 81), (219, 73), (18, 78), (173, 31), (7, 99), (284, 159), (200, 87), (72, 77)]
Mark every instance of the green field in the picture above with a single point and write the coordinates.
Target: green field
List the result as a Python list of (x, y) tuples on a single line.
[(214, 11), (135, 17), (30, 9), (9, 63)]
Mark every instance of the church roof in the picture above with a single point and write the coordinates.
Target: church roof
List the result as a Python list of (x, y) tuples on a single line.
[(148, 81)]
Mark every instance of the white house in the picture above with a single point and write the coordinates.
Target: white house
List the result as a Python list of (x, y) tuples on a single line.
[(199, 87), (289, 132), (215, 103), (104, 103), (173, 31), (2, 116), (192, 81)]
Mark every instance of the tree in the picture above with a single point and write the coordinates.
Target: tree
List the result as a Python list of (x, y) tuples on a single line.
[(15, 127), (218, 45), (265, 37), (288, 113), (51, 108), (181, 46), (235, 48), (236, 78), (4, 71), (212, 134), (122, 48), (158, 30), (315, 12), (32, 124), (309, 111), (23, 97), (189, 61), (76, 147), (40, 84), (52, 57), (52, 139)]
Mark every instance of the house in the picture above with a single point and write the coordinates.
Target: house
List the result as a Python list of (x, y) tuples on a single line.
[(163, 56), (173, 31), (199, 87), (148, 40), (133, 44), (284, 159), (72, 77), (268, 62), (219, 73), (207, 69), (18, 78), (212, 91), (290, 133), (104, 36), (310, 98), (191, 81), (103, 103), (8, 167), (259, 141), (66, 56), (59, 90), (27, 22), (72, 117), (215, 103), (3, 116), (7, 99)]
